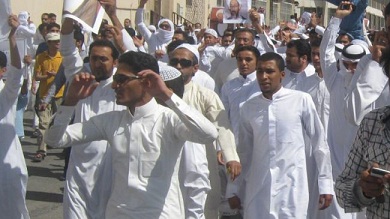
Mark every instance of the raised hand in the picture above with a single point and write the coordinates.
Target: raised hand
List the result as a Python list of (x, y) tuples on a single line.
[(380, 42), (118, 38), (254, 16), (343, 13), (82, 86), (142, 3), (138, 42), (13, 22), (109, 6), (154, 85)]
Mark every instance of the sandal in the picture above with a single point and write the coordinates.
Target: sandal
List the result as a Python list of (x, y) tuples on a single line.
[(39, 156)]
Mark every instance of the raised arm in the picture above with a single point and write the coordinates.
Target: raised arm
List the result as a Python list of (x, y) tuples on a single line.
[(71, 59), (139, 21), (15, 57), (327, 47), (9, 94), (127, 42), (369, 83)]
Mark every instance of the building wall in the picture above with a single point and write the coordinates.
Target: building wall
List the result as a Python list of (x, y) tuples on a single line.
[(201, 10)]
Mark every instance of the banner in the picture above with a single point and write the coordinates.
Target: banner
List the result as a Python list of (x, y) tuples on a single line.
[(236, 11), (216, 20), (5, 11), (89, 13)]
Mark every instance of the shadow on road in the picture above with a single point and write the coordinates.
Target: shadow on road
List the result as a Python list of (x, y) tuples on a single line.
[(45, 172), (44, 196)]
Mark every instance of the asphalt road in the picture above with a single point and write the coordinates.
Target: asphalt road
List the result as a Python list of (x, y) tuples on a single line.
[(45, 188)]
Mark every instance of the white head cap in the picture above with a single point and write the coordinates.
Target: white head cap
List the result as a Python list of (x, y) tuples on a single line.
[(52, 36), (168, 73), (352, 53), (191, 48), (211, 32)]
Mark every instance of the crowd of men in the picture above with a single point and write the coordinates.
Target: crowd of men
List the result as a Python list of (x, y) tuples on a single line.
[(175, 121)]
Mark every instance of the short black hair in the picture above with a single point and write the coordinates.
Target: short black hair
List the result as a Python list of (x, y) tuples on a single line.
[(3, 59), (190, 40), (130, 31), (316, 42), (302, 46), (252, 49), (242, 30), (341, 34), (51, 25), (174, 44), (180, 31), (269, 56), (42, 27), (50, 15), (78, 36), (139, 61), (104, 43)]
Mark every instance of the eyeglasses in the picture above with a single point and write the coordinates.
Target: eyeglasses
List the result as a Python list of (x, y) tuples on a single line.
[(122, 78), (185, 63)]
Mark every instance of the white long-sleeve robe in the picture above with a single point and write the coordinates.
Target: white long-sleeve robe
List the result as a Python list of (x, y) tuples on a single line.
[(208, 103), (145, 147), (368, 91), (13, 170), (272, 151), (88, 180)]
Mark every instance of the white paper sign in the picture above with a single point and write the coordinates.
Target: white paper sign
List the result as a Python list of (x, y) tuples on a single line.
[(236, 11), (5, 11), (88, 13)]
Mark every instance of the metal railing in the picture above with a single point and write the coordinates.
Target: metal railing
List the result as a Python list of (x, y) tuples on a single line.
[(178, 19)]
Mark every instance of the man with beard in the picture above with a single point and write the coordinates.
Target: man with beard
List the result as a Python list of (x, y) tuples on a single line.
[(88, 178)]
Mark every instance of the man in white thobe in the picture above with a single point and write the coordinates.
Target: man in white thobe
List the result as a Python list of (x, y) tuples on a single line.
[(13, 170), (227, 69), (88, 179), (341, 133), (272, 147), (302, 75), (185, 58), (234, 93), (146, 139)]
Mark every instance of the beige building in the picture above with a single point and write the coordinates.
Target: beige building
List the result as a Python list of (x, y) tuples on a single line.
[(177, 10), (279, 10), (195, 11)]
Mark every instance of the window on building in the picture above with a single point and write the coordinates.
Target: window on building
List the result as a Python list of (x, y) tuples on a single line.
[(189, 2)]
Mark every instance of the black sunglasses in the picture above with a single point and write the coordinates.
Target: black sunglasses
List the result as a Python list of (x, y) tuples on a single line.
[(122, 78), (185, 63)]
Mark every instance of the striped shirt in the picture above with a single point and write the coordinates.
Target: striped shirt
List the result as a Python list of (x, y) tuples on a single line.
[(372, 145)]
